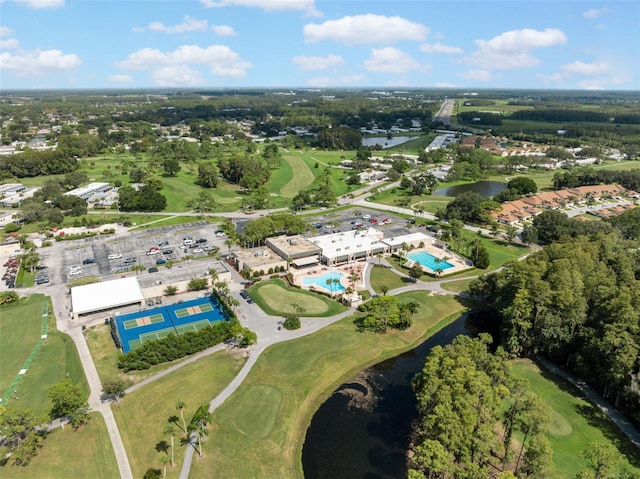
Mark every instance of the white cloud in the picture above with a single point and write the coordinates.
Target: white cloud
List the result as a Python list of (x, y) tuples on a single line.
[(38, 62), (5, 31), (478, 75), (220, 60), (440, 48), (445, 85), (188, 25), (224, 30), (41, 4), (553, 78), (307, 6), (323, 82), (391, 60), (595, 13), (587, 69), (318, 63), (361, 29), (177, 77), (9, 43), (120, 79), (137, 29), (511, 49), (593, 84)]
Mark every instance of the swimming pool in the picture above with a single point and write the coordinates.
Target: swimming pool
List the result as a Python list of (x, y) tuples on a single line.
[(321, 282), (429, 261)]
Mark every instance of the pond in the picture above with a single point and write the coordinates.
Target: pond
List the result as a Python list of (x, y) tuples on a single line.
[(385, 142), (485, 188), (362, 430)]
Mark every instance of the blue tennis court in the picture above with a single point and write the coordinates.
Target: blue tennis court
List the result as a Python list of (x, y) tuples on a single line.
[(157, 323)]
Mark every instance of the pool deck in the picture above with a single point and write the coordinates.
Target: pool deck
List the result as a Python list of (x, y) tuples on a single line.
[(459, 263), (346, 270)]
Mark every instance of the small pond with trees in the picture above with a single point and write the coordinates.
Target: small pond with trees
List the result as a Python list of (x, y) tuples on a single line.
[(485, 188)]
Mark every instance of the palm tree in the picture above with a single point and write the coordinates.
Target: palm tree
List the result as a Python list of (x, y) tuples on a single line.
[(379, 256), (164, 459), (169, 430), (181, 406), (384, 289), (198, 425), (329, 283), (334, 283)]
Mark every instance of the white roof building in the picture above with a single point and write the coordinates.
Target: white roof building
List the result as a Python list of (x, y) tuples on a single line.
[(350, 245), (91, 298), (412, 239)]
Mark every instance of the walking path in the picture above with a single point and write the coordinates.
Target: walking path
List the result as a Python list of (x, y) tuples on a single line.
[(623, 424)]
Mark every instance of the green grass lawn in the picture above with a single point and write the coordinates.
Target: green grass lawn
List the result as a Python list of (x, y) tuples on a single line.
[(275, 297), (575, 422), (457, 286), (105, 357), (266, 419), (142, 415), (71, 454), (386, 277), (20, 330)]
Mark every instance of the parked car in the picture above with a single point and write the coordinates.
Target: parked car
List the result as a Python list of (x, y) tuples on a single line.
[(163, 243), (167, 251), (220, 233), (152, 252), (201, 240), (153, 270), (130, 260), (159, 301), (88, 261), (161, 261), (74, 272), (198, 251), (114, 256)]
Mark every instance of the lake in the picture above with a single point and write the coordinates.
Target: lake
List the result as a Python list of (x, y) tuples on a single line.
[(362, 430), (384, 142), (485, 188)]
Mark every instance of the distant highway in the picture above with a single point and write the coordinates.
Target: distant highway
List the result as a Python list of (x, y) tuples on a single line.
[(445, 112)]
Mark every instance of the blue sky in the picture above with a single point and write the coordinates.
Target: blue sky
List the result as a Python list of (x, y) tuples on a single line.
[(320, 44)]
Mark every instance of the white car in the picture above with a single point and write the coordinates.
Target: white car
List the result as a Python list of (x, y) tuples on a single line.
[(153, 251), (114, 256), (220, 233), (366, 217), (73, 272), (198, 251)]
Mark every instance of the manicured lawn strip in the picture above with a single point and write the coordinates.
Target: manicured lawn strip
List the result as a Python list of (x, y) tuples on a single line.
[(586, 422), (385, 277), (279, 177), (105, 356), (458, 286), (302, 176), (142, 415), (20, 330), (172, 220), (57, 360), (71, 454), (305, 372), (274, 297)]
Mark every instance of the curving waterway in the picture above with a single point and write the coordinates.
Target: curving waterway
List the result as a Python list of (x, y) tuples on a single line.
[(361, 431)]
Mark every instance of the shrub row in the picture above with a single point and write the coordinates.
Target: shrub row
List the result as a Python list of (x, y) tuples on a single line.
[(174, 347)]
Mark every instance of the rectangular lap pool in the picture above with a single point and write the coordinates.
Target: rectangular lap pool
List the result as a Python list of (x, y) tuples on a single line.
[(321, 282), (429, 261), (157, 323)]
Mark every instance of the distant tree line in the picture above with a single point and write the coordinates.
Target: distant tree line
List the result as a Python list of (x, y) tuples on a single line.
[(559, 115), (480, 118), (583, 176), (32, 163)]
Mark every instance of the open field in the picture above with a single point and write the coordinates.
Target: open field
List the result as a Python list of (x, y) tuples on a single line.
[(575, 422), (269, 413), (71, 454), (275, 298), (20, 330), (142, 414)]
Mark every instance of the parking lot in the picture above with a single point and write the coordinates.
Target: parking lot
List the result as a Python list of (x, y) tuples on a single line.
[(109, 256), (354, 218)]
